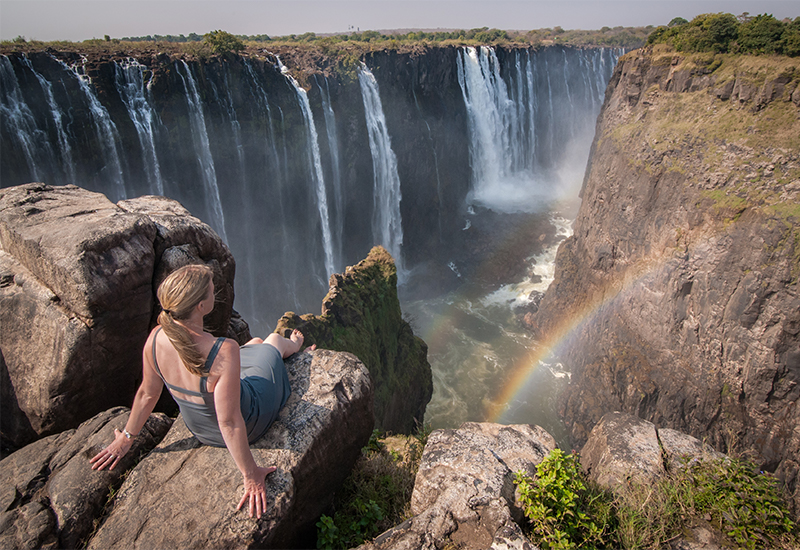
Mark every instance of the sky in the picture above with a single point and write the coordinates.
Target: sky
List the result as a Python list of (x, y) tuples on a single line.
[(84, 19)]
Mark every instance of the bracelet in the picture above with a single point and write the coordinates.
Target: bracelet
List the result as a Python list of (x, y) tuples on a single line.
[(128, 434)]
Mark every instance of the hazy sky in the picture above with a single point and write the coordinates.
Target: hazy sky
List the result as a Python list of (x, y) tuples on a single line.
[(82, 19)]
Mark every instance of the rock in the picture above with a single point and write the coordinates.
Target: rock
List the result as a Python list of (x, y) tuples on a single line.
[(77, 282), (51, 496), (678, 448), (184, 494), (182, 239), (620, 448), (361, 314), (464, 490)]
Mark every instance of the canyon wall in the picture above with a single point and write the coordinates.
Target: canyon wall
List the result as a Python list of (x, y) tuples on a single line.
[(676, 298)]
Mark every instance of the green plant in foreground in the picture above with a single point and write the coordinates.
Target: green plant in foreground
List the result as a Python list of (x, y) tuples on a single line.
[(564, 511), (377, 494), (743, 502)]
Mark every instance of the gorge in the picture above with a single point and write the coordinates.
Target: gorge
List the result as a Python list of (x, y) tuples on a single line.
[(451, 158), (675, 290)]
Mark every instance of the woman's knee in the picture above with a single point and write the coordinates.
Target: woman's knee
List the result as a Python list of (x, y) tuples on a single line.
[(255, 341)]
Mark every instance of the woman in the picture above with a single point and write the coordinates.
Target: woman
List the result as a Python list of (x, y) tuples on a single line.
[(227, 395)]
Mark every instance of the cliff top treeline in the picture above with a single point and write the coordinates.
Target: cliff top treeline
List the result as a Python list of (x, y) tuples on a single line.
[(725, 33), (368, 40)]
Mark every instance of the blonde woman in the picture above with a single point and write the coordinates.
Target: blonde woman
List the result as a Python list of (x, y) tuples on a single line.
[(228, 396)]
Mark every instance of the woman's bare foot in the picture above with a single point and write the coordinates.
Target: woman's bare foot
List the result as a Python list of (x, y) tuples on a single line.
[(287, 346)]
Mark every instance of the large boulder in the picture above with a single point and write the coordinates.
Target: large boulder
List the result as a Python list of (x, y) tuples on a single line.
[(77, 281), (184, 494), (50, 497), (623, 448), (464, 492), (361, 314)]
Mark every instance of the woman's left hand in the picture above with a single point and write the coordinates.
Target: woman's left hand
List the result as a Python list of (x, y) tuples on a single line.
[(255, 491), (111, 455)]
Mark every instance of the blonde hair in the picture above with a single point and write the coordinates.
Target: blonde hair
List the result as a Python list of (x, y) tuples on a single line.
[(179, 294)]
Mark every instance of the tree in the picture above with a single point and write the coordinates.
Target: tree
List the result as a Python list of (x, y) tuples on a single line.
[(677, 21), (222, 42), (761, 34)]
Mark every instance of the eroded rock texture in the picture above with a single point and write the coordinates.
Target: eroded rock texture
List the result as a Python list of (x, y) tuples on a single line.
[(682, 273), (464, 491), (77, 299), (50, 496), (184, 494)]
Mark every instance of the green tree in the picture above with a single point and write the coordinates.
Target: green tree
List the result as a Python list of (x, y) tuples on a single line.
[(761, 34), (677, 21), (222, 42)]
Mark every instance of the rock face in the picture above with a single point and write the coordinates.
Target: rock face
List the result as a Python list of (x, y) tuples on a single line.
[(184, 494), (77, 281), (361, 314), (50, 497), (464, 491), (682, 273)]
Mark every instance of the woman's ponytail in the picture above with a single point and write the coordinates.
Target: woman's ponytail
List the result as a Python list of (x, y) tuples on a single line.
[(179, 294)]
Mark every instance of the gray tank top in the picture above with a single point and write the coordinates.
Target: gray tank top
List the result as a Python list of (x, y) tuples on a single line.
[(200, 418)]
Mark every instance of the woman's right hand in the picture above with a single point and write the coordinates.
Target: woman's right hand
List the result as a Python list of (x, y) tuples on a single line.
[(255, 490)]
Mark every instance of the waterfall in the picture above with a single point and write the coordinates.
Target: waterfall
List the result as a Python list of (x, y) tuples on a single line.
[(386, 221), (107, 134), (55, 112), (200, 139), (315, 162), (527, 134), (18, 119), (333, 146), (130, 83)]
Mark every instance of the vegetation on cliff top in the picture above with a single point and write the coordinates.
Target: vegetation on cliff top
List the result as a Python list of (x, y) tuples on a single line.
[(726, 33), (345, 44)]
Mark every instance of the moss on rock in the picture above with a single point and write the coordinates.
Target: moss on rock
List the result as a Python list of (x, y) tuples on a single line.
[(361, 315)]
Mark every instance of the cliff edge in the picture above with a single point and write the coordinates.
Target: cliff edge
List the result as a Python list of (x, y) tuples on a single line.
[(676, 299)]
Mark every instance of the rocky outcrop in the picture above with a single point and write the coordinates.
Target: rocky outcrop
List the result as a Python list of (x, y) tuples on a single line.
[(464, 490), (77, 281), (184, 494), (50, 497), (361, 314), (623, 447), (681, 277)]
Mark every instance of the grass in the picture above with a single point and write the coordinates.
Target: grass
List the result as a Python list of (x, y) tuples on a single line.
[(377, 494)]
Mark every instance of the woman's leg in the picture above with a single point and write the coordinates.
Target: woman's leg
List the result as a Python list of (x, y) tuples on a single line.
[(286, 346), (254, 341)]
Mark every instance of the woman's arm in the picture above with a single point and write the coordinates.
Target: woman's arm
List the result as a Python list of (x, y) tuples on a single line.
[(143, 404), (234, 431)]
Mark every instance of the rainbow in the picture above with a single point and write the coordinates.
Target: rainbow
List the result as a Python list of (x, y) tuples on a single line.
[(560, 335)]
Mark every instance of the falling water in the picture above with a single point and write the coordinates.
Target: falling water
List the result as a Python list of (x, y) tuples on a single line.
[(18, 117), (55, 112), (387, 223), (130, 82), (315, 161), (200, 138), (512, 169), (107, 134), (333, 146)]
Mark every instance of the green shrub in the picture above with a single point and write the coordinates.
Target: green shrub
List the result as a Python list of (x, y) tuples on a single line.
[(222, 42), (565, 512)]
